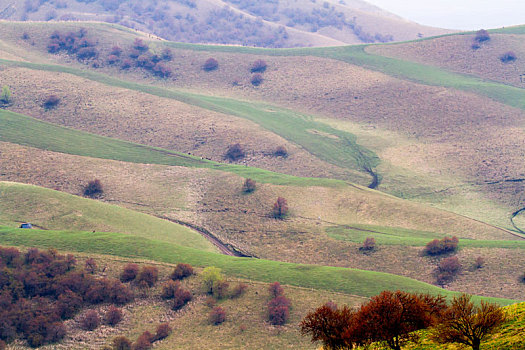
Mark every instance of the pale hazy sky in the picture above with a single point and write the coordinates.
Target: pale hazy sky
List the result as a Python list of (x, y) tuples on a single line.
[(458, 14)]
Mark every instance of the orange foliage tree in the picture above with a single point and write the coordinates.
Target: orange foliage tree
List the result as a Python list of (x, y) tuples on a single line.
[(465, 323)]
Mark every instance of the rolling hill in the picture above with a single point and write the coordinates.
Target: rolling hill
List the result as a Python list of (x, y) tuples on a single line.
[(401, 148), (266, 23)]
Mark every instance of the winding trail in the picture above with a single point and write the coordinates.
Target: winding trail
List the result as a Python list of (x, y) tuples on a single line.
[(224, 248), (513, 215)]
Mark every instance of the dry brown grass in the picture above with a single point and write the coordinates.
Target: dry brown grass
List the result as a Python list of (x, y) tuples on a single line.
[(215, 201), (455, 53)]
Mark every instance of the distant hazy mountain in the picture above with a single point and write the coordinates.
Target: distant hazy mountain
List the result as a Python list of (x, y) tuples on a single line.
[(267, 23)]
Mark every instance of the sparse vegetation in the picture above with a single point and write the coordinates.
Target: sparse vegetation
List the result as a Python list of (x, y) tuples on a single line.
[(445, 245), (239, 290), (210, 64), (368, 245), (5, 97), (217, 315), (51, 101), (479, 262), (93, 189), (281, 151), (508, 57), (258, 66), (249, 186), (256, 79), (90, 320), (280, 208), (235, 152)]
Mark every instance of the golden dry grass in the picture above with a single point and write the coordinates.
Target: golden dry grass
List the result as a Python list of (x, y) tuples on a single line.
[(214, 201)]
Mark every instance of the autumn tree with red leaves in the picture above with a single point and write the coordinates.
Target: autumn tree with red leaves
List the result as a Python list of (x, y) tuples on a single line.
[(280, 208), (465, 323)]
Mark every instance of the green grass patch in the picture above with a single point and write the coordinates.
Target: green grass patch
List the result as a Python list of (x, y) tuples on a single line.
[(349, 281), (27, 131), (406, 237), (58, 210), (329, 144)]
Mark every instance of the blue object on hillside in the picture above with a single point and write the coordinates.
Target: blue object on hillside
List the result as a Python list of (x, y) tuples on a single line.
[(26, 225)]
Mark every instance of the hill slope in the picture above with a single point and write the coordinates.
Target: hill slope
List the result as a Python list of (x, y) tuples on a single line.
[(267, 23)]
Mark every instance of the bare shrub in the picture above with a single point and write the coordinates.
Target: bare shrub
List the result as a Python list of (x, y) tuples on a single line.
[(479, 262), (121, 343), (445, 245), (126, 64), (481, 36), (210, 302), (181, 298), (140, 45), (369, 244), (112, 59), (239, 290), (210, 64), (182, 271), (220, 289), (508, 57), (169, 289), (148, 275), (280, 208), (113, 316), (249, 186), (90, 320), (90, 266), (258, 66), (163, 331), (279, 310), (116, 51), (281, 151), (217, 315), (448, 268), (235, 152), (129, 273), (143, 341), (51, 101), (275, 289), (93, 189), (257, 79)]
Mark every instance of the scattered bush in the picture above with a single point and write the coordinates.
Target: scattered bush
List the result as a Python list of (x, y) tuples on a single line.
[(210, 64), (113, 316), (25, 36), (181, 272), (51, 101), (369, 244), (148, 275), (249, 186), (235, 152), (163, 331), (258, 66), (161, 70), (220, 290), (143, 341), (169, 289), (481, 36), (280, 208), (278, 310), (5, 96), (210, 302), (479, 262), (257, 79), (126, 64), (116, 51), (90, 320), (239, 290), (181, 298), (217, 315), (167, 54), (90, 266), (129, 273), (93, 189), (121, 343), (447, 269), (140, 45), (438, 247), (112, 59), (275, 289), (281, 151), (508, 57)]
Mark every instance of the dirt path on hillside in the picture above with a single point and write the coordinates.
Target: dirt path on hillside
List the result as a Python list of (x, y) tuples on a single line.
[(224, 248)]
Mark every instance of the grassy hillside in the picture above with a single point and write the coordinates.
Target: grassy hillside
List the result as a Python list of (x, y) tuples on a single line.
[(241, 22), (349, 281), (55, 210)]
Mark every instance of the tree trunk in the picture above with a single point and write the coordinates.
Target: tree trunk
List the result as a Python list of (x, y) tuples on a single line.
[(476, 344)]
